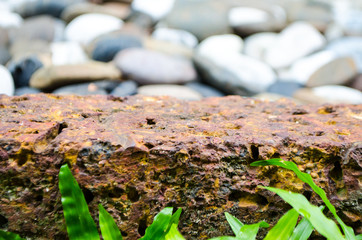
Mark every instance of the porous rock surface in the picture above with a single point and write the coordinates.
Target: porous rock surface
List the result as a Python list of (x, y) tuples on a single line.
[(137, 155)]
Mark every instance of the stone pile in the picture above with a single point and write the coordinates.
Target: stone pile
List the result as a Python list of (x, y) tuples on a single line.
[(309, 51)]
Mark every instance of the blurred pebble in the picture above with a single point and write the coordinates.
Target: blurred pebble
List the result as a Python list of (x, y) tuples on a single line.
[(6, 82), (23, 69), (64, 53), (26, 90), (21, 48), (177, 91), (82, 89), (177, 36), (284, 88), (256, 45), (157, 9), (219, 44), (126, 88), (4, 55), (10, 19), (356, 83), (168, 48), (205, 90)]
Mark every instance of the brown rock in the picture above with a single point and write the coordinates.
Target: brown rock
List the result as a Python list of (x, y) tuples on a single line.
[(137, 155), (52, 77)]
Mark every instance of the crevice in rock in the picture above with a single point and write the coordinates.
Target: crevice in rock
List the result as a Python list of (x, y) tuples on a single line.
[(132, 194), (3, 221), (142, 227), (336, 172), (254, 152), (88, 195)]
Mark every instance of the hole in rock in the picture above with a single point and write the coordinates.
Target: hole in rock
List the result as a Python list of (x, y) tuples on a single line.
[(62, 126), (3, 221), (247, 198), (151, 121), (307, 194), (336, 172), (39, 198), (132, 194), (254, 152), (88, 195), (124, 234), (142, 227)]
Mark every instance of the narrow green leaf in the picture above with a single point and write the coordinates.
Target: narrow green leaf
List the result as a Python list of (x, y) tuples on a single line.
[(348, 231), (284, 227), (234, 223), (174, 234), (303, 230), (159, 225), (9, 236), (249, 232), (108, 226), (80, 224), (315, 216)]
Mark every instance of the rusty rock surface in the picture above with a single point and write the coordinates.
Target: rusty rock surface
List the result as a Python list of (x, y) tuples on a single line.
[(137, 155)]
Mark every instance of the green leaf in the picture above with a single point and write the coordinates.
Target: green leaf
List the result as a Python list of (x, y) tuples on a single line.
[(303, 230), (284, 227), (234, 223), (80, 224), (315, 216), (159, 225), (174, 219), (9, 236), (249, 232), (174, 234), (223, 238), (348, 231), (359, 237), (108, 226)]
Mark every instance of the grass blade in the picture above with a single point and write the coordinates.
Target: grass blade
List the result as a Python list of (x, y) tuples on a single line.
[(108, 226), (159, 225), (173, 233), (80, 224), (284, 227), (9, 236), (303, 230), (234, 223), (315, 216), (348, 231), (249, 232)]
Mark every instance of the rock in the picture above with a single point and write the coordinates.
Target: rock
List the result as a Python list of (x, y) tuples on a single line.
[(168, 48), (283, 51), (10, 20), (151, 67), (220, 44), (118, 10), (195, 17), (137, 155), (64, 53), (329, 94), (234, 73), (4, 37), (82, 89), (126, 88), (21, 49), (349, 18), (52, 77), (109, 45), (6, 82), (205, 90), (4, 55), (25, 90), (348, 46), (323, 68), (269, 97), (253, 18), (177, 36), (284, 88), (356, 83), (157, 9), (257, 44), (177, 91), (141, 20), (23, 69), (85, 28)]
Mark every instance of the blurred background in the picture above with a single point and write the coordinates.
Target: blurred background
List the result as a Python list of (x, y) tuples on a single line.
[(307, 50)]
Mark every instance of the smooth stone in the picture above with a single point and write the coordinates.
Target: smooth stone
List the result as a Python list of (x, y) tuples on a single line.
[(26, 90), (7, 82), (82, 89), (10, 19), (85, 28), (126, 88), (323, 68), (253, 18), (297, 40), (269, 97), (177, 91), (64, 53), (106, 48), (348, 46), (21, 48), (151, 67), (284, 88), (42, 27), (56, 76), (329, 94), (234, 73), (220, 44), (349, 18), (177, 36), (141, 20), (4, 55), (356, 83), (4, 37), (168, 48), (256, 45), (118, 10), (157, 9), (201, 18), (205, 90), (23, 69)]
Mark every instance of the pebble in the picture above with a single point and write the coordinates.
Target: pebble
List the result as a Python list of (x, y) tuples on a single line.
[(109, 45), (26, 90), (333, 94), (23, 69), (4, 55), (323, 68), (177, 91), (201, 18), (82, 89), (256, 45), (177, 36), (168, 48), (85, 28), (21, 48), (37, 7), (151, 67), (4, 37), (218, 45), (6, 82), (66, 52), (126, 88), (10, 19), (157, 9), (51, 77), (283, 52), (356, 83), (284, 88), (205, 90), (267, 96)]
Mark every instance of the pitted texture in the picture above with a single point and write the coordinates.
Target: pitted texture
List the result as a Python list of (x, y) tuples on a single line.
[(137, 155)]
